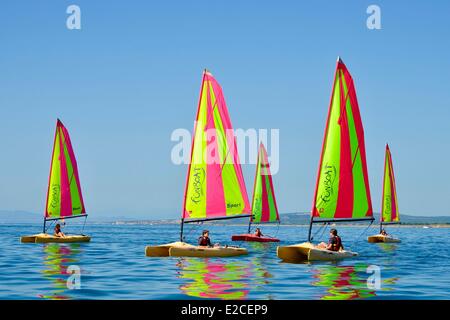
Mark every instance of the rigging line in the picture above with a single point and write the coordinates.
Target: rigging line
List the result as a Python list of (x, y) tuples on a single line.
[(364, 231), (84, 223), (344, 115), (52, 222), (278, 229), (228, 151), (195, 226), (223, 140), (318, 230), (213, 107), (324, 229), (63, 151), (357, 149), (356, 154)]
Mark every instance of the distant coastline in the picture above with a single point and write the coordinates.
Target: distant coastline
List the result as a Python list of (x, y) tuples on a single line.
[(287, 219), (176, 222)]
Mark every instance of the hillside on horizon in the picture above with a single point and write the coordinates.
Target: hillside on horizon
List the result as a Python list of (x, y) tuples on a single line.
[(291, 218)]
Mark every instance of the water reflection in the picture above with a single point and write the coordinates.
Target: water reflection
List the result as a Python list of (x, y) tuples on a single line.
[(57, 258), (388, 247), (260, 273), (343, 282), (214, 279), (347, 282)]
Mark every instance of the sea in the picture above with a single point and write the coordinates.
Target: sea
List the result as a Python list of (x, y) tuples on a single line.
[(114, 266)]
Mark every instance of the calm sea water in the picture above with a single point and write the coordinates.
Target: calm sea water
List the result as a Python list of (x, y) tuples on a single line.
[(113, 266)]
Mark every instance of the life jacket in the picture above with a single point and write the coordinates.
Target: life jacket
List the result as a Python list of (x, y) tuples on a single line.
[(337, 246), (202, 241)]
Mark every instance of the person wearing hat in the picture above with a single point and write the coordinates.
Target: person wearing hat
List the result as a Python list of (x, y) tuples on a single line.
[(204, 239)]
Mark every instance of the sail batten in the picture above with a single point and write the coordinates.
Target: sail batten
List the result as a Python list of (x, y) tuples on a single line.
[(264, 204), (342, 188), (389, 204), (64, 196), (215, 184)]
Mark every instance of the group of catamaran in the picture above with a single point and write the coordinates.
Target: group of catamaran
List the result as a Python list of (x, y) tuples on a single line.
[(215, 188)]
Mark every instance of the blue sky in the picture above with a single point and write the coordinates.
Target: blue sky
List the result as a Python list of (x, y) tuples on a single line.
[(132, 75)]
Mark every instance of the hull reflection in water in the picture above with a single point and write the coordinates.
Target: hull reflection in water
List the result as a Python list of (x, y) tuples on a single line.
[(58, 257), (345, 282), (260, 273), (214, 279), (388, 247)]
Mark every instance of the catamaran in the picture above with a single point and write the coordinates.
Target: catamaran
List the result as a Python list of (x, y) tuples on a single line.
[(389, 204), (342, 189), (215, 187), (64, 197), (264, 204)]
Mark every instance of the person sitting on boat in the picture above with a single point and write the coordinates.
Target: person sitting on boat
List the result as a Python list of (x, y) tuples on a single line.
[(258, 232), (334, 243), (58, 232), (204, 239), (383, 232)]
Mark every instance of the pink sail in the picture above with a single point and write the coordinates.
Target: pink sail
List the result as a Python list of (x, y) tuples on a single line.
[(342, 188), (64, 196), (215, 184), (264, 204), (389, 204)]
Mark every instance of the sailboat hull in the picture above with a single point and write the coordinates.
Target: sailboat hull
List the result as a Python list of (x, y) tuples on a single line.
[(382, 239), (308, 252), (46, 238), (163, 250), (253, 238), (203, 252), (182, 249)]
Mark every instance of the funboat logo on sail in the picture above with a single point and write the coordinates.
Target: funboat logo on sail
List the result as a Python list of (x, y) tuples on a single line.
[(328, 179), (198, 178), (55, 191), (258, 205), (387, 203)]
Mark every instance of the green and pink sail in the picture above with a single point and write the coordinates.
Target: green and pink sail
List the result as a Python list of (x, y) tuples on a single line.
[(215, 186), (342, 189), (389, 204), (264, 204), (64, 197)]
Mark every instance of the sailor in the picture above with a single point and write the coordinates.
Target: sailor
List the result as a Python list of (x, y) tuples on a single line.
[(334, 243), (204, 239), (258, 232), (58, 232)]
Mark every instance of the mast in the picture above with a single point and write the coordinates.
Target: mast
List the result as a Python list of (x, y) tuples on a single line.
[(181, 229), (310, 228)]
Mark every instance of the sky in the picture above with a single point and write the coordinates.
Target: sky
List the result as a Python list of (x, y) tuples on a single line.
[(132, 74)]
